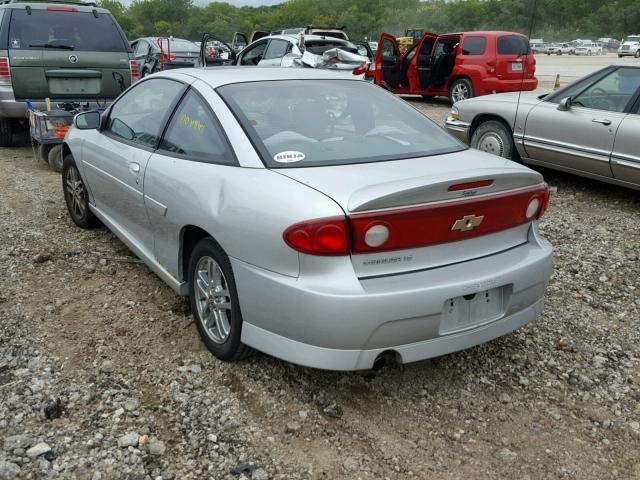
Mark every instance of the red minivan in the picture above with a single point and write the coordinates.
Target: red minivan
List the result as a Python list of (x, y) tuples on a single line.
[(457, 65)]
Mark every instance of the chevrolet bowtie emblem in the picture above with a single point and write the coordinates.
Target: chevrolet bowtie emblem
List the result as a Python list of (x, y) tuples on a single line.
[(467, 223)]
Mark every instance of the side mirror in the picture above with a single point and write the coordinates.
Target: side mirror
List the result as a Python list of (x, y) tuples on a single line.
[(565, 104), (87, 121)]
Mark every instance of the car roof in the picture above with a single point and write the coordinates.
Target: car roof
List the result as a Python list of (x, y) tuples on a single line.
[(293, 37), (484, 32), (219, 76), (82, 7)]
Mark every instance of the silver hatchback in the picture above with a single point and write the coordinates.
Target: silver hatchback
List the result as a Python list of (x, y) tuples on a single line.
[(319, 219)]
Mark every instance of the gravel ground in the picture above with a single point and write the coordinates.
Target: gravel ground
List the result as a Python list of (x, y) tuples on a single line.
[(102, 374)]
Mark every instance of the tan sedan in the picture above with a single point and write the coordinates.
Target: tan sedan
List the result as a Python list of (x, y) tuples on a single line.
[(590, 128)]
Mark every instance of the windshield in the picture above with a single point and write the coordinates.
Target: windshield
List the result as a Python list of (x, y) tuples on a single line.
[(632, 39), (301, 123), (65, 30)]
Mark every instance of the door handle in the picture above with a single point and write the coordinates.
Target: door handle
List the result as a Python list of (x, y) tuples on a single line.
[(134, 168), (603, 121)]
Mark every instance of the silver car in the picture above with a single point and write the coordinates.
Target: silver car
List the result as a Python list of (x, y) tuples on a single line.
[(590, 128), (316, 218)]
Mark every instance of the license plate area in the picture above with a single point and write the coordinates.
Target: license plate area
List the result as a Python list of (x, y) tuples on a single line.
[(516, 66), (469, 311), (74, 86)]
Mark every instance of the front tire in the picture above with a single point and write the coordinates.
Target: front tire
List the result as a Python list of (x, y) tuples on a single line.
[(214, 301), (637, 55), (76, 196), (461, 89), (494, 137)]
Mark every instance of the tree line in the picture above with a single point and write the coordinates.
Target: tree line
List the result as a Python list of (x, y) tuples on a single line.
[(553, 20)]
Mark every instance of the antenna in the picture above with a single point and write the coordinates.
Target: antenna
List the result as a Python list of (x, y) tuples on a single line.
[(524, 70)]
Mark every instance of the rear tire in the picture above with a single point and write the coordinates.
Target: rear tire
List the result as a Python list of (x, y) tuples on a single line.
[(493, 136), (461, 89), (6, 132), (55, 158), (43, 153), (76, 196), (214, 302)]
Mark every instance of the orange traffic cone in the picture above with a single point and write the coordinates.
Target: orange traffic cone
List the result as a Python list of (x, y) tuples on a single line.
[(557, 84)]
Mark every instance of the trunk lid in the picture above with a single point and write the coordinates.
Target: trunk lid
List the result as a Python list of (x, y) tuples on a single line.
[(445, 198)]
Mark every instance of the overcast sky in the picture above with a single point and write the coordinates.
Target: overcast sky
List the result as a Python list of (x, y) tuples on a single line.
[(240, 3)]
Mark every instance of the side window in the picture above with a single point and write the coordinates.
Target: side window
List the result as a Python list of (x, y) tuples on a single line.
[(142, 48), (388, 49), (195, 133), (253, 56), (513, 45), (611, 93), (474, 45), (277, 49), (139, 115)]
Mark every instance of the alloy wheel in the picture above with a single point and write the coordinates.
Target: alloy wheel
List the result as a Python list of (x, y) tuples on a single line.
[(213, 299), (460, 92), (76, 192)]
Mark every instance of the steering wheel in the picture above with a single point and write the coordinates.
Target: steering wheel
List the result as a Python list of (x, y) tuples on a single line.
[(600, 102)]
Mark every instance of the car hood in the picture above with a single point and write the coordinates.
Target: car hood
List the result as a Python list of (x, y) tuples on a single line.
[(401, 183)]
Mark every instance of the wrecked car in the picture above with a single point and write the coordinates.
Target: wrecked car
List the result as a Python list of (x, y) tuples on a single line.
[(299, 50)]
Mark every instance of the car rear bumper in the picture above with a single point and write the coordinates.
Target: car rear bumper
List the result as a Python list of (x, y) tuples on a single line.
[(18, 108), (314, 324), (496, 85), (458, 129)]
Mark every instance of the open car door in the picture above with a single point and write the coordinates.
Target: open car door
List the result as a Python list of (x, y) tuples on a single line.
[(215, 52), (388, 62), (419, 65), (238, 42), (257, 35)]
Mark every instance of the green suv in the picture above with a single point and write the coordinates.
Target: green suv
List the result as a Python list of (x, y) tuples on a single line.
[(68, 52)]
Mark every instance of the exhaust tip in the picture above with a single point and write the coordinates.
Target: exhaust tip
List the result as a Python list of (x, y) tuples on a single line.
[(386, 358)]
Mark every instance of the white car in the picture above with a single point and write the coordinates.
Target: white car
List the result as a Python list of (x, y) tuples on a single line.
[(630, 47), (559, 49), (588, 49)]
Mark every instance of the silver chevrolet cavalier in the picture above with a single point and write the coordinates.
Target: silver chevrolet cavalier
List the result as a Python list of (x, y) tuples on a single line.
[(589, 128), (316, 218)]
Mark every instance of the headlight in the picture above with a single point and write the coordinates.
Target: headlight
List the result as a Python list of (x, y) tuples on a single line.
[(454, 113)]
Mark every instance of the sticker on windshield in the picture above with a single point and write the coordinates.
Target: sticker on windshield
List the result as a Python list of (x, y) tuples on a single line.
[(15, 43), (289, 157)]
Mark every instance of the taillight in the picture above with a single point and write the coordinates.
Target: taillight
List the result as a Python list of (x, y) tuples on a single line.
[(361, 69), (446, 221), (135, 73), (327, 237), (5, 71)]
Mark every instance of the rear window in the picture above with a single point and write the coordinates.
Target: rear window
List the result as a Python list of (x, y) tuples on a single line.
[(474, 45), (513, 45), (301, 123), (183, 46), (59, 30)]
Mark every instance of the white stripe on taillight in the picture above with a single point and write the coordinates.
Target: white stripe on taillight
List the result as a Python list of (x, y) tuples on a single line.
[(135, 74), (5, 72)]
